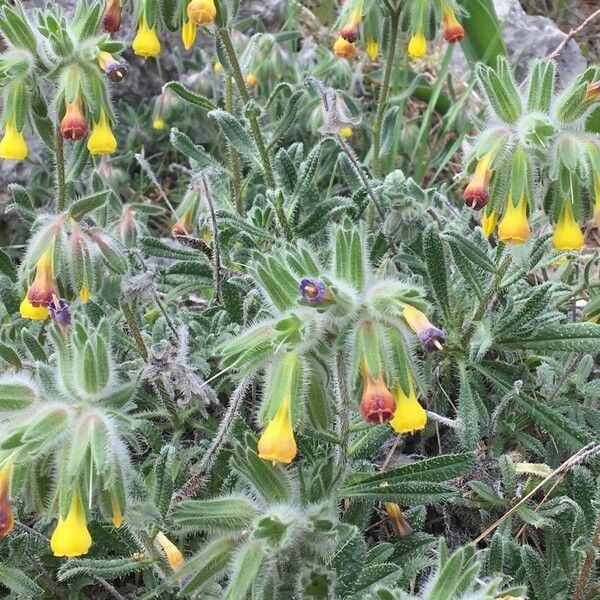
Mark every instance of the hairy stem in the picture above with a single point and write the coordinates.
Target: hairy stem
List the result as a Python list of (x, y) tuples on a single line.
[(384, 92), (234, 159), (60, 171), (245, 96), (588, 563)]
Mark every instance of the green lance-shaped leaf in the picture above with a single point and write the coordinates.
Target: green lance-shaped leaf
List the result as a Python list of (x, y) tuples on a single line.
[(83, 206), (288, 118), (375, 575), (408, 492), (279, 283), (318, 408), (367, 348), (20, 584), (192, 97), (270, 481), (108, 569), (237, 136), (210, 562), (568, 337), (570, 434), (35, 348), (470, 250), (109, 249), (500, 90), (536, 572), (163, 478), (541, 86), (229, 513), (16, 393), (9, 354), (483, 39), (455, 575), (244, 569), (435, 260), (15, 26), (467, 411), (194, 152), (7, 266)]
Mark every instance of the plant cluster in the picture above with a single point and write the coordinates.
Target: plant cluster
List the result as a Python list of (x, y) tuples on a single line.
[(258, 347)]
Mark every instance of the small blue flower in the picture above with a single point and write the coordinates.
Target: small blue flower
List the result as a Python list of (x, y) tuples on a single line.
[(60, 312), (313, 291)]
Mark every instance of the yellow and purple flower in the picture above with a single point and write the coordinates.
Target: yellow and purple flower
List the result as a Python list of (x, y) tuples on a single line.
[(377, 404), (477, 193), (432, 338)]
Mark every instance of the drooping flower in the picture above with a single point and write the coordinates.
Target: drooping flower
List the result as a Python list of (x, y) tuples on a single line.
[(477, 193), (35, 313), (184, 224), (410, 416), (218, 68), (7, 517), (115, 71), (277, 442), (43, 288), (71, 536), (417, 46), (188, 34), (488, 223), (117, 516), (567, 234), (111, 20), (314, 291), (377, 404), (372, 49), (251, 79), (346, 132), (102, 139), (146, 42), (399, 523), (84, 293), (172, 552), (593, 92), (514, 227), (202, 12), (159, 123), (344, 49), (350, 30), (431, 337), (453, 31), (60, 312), (13, 145), (73, 125)]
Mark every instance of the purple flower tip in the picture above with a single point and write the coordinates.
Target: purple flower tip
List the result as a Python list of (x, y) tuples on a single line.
[(432, 339), (116, 71), (60, 312), (313, 291)]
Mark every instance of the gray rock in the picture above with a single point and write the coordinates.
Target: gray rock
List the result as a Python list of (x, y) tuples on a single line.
[(531, 36)]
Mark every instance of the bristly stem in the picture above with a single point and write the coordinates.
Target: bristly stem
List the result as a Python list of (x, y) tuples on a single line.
[(245, 96), (384, 92), (60, 171), (588, 563), (234, 159)]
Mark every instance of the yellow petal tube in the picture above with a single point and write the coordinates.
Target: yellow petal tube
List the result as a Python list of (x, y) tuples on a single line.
[(251, 79), (102, 139), (514, 227), (567, 235), (488, 223), (159, 123), (202, 12), (277, 443), (417, 46), (84, 293), (372, 49), (35, 313), (13, 145), (117, 515), (410, 415), (188, 34), (71, 536), (146, 42), (346, 131), (344, 49), (172, 552)]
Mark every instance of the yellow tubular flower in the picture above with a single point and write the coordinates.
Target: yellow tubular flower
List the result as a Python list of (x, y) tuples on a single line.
[(102, 139), (346, 132), (218, 68), (488, 223), (410, 415), (35, 313), (71, 536), (202, 12), (344, 49), (567, 235), (117, 516), (84, 293), (597, 204), (417, 47), (251, 79), (13, 145), (277, 443), (146, 42), (172, 552), (188, 34), (514, 227), (372, 49), (159, 123), (399, 523)]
